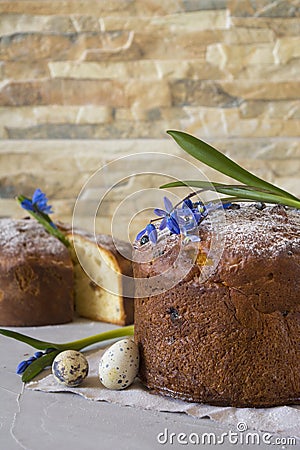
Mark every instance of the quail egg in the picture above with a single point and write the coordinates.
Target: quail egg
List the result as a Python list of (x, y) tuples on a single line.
[(70, 368), (119, 365)]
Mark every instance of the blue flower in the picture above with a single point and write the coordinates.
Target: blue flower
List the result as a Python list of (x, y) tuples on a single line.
[(188, 203), (150, 231), (38, 203), (170, 219), (22, 366), (179, 220), (191, 214)]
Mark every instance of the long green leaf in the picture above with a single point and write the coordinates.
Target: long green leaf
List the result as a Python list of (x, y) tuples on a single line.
[(236, 191), (104, 336), (218, 161), (35, 343)]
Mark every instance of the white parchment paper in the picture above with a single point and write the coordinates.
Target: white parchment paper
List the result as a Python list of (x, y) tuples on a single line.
[(282, 420)]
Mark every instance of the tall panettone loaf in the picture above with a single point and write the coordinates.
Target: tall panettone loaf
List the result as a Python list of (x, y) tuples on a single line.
[(233, 339), (103, 277), (36, 276)]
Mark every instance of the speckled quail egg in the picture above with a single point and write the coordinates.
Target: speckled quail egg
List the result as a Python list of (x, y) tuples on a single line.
[(70, 368), (119, 365)]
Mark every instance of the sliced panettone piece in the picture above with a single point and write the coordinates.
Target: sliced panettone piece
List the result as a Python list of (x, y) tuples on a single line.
[(103, 278)]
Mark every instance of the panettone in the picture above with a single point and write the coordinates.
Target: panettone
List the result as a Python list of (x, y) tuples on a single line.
[(234, 338), (36, 276)]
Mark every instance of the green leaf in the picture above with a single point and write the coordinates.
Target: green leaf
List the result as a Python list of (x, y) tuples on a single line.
[(243, 192), (218, 161), (35, 343), (38, 365), (105, 336)]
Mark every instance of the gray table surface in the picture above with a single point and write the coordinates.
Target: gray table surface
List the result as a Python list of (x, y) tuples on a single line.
[(35, 420)]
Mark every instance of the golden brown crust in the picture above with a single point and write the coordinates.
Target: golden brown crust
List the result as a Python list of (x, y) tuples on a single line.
[(233, 339), (36, 276)]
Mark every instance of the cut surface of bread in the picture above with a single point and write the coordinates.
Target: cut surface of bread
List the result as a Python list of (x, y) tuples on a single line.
[(102, 276)]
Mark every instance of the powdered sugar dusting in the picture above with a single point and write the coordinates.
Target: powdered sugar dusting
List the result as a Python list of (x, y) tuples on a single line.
[(28, 238), (266, 232)]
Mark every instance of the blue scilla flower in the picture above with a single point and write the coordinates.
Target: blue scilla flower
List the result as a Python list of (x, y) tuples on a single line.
[(22, 366), (38, 203), (169, 215), (150, 231), (190, 215)]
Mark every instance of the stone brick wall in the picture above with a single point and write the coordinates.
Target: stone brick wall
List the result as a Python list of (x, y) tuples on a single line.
[(83, 82)]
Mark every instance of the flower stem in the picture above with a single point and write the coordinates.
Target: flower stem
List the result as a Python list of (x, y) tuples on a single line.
[(45, 220), (106, 335)]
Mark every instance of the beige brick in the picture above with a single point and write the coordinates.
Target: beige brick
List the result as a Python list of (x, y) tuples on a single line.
[(290, 184), (143, 70), (188, 92), (24, 70), (280, 26), (56, 185), (3, 132), (190, 21), (285, 168), (94, 114), (243, 35), (56, 47), (102, 70), (275, 110), (30, 116), (215, 122), (24, 47), (290, 127), (260, 149), (196, 20), (147, 44), (272, 72), (219, 123), (262, 90), (188, 69), (64, 92), (143, 96), (286, 49), (265, 8), (23, 23), (235, 57)]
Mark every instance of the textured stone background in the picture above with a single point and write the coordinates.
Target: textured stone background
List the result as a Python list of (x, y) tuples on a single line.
[(83, 82)]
